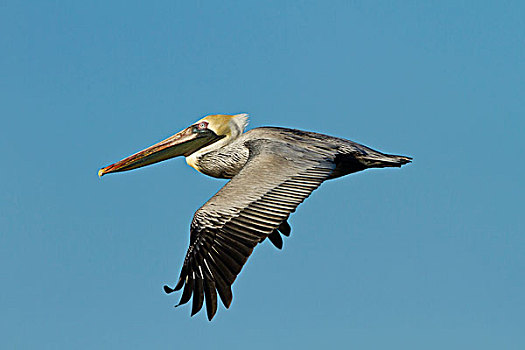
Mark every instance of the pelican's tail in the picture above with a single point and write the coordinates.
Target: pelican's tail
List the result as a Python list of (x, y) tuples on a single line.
[(393, 160), (380, 160)]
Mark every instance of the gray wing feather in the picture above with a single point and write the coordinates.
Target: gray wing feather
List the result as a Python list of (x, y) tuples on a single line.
[(249, 208)]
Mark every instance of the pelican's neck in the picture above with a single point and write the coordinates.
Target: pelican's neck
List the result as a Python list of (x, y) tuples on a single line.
[(193, 158)]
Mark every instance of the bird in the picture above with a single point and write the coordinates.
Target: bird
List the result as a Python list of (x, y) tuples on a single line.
[(271, 170)]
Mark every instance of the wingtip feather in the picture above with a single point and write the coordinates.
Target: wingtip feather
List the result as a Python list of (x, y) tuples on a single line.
[(167, 289)]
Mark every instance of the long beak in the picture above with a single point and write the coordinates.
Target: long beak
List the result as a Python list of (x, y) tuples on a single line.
[(183, 143)]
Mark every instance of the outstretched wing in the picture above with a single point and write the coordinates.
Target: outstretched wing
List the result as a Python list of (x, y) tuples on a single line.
[(248, 209)]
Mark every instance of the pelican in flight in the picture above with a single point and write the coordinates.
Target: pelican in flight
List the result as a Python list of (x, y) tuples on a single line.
[(272, 171)]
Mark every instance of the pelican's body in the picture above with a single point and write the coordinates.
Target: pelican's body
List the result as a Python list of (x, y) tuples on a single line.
[(228, 161), (272, 170)]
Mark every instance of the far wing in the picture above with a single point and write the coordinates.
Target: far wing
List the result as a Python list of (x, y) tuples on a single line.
[(249, 208)]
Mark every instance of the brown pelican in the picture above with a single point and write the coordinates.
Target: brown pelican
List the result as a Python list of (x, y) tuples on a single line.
[(272, 170)]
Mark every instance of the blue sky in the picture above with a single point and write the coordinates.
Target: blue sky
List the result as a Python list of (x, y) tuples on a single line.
[(428, 256)]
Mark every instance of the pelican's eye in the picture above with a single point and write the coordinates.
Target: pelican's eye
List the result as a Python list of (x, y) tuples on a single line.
[(202, 125)]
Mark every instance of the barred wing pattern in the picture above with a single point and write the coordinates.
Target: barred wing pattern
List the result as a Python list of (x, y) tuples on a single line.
[(248, 209)]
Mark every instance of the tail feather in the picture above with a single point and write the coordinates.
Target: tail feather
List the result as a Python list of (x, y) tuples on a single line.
[(400, 160), (380, 160), (354, 157)]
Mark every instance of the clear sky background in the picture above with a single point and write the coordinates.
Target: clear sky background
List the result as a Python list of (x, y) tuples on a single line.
[(430, 256)]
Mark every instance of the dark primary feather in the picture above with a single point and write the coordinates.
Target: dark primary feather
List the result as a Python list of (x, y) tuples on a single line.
[(241, 215), (276, 239)]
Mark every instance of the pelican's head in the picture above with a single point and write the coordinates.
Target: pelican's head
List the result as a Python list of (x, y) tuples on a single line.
[(211, 132)]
